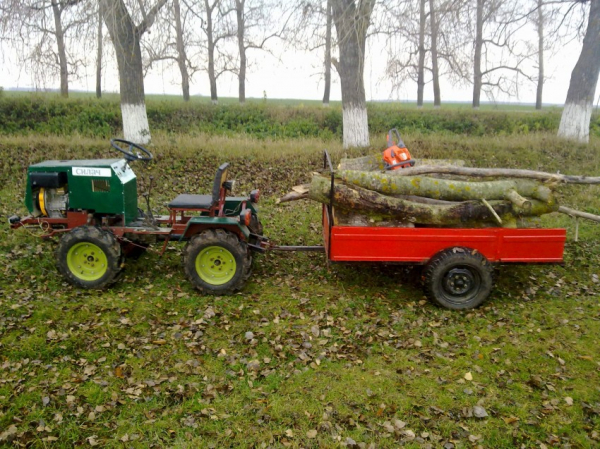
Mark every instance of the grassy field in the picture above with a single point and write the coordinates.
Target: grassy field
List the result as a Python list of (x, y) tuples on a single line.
[(309, 354)]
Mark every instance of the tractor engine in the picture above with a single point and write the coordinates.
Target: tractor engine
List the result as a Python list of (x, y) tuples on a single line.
[(52, 203), (50, 194)]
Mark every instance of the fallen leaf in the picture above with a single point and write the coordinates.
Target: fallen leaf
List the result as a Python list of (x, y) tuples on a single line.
[(569, 401), (311, 434), (468, 376), (510, 419), (479, 412)]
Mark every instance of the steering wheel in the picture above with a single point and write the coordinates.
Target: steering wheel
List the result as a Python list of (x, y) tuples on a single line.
[(130, 155)]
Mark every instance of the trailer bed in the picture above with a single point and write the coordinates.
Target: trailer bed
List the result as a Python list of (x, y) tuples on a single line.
[(419, 245)]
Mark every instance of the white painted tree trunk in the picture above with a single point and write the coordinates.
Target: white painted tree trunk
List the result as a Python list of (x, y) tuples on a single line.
[(575, 119), (135, 123), (575, 122), (355, 126)]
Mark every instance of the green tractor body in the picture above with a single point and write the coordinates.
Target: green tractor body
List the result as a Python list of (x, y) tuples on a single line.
[(98, 186)]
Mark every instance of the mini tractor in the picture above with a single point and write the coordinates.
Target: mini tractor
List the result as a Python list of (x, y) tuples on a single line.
[(92, 205)]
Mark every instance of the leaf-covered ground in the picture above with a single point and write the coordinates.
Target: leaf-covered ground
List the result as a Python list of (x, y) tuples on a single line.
[(309, 354)]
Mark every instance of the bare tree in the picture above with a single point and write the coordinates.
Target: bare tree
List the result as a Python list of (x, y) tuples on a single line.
[(126, 35), (435, 70), (41, 29), (310, 29), (99, 49), (352, 19), (577, 113), (216, 28), (498, 54), (327, 62), (256, 25), (540, 25), (425, 43)]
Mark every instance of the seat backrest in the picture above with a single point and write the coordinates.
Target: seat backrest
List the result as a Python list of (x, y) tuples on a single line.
[(220, 178)]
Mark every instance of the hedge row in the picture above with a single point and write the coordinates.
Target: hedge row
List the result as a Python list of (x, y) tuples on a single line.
[(93, 118)]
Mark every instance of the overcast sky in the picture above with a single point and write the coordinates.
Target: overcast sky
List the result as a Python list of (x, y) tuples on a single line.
[(299, 75)]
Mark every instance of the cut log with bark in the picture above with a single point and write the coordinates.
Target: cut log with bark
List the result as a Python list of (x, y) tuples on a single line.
[(466, 213), (496, 173), (446, 189)]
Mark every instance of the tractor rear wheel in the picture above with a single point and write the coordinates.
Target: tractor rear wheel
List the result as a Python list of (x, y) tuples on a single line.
[(89, 257), (458, 278), (217, 262)]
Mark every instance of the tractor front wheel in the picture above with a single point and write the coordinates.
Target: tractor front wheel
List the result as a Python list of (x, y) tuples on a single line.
[(217, 262), (89, 257)]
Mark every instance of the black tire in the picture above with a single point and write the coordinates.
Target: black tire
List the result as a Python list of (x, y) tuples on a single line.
[(458, 279), (95, 270), (230, 258)]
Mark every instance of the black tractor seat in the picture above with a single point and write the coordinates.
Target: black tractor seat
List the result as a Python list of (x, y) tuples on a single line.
[(190, 201)]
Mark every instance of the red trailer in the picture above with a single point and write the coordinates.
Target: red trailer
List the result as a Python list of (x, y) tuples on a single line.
[(458, 271)]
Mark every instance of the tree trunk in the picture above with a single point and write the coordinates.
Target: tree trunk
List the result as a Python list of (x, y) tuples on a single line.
[(99, 57), (181, 56), (126, 40), (351, 24), (421, 63), (62, 53), (540, 30), (435, 72), (212, 77), (328, 55), (240, 4), (576, 115), (477, 75), (467, 213)]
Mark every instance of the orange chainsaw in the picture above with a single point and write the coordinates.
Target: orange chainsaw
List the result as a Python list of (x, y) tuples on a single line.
[(396, 155)]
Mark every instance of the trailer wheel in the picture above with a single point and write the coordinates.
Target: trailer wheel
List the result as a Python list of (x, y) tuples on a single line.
[(458, 279), (89, 257), (217, 262)]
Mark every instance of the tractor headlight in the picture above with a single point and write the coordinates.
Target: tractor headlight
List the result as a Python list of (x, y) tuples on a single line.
[(246, 217), (254, 196)]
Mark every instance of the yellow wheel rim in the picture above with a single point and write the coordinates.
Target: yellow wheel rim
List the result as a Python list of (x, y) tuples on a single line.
[(87, 261)]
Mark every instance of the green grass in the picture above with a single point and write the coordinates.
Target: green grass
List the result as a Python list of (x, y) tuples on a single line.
[(346, 352), (82, 115), (196, 99)]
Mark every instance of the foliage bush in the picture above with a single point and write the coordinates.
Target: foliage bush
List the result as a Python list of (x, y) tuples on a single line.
[(89, 117)]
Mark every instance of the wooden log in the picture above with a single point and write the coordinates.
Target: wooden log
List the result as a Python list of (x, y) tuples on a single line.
[(292, 196), (375, 162), (576, 213), (446, 189), (496, 173), (514, 197), (473, 213)]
